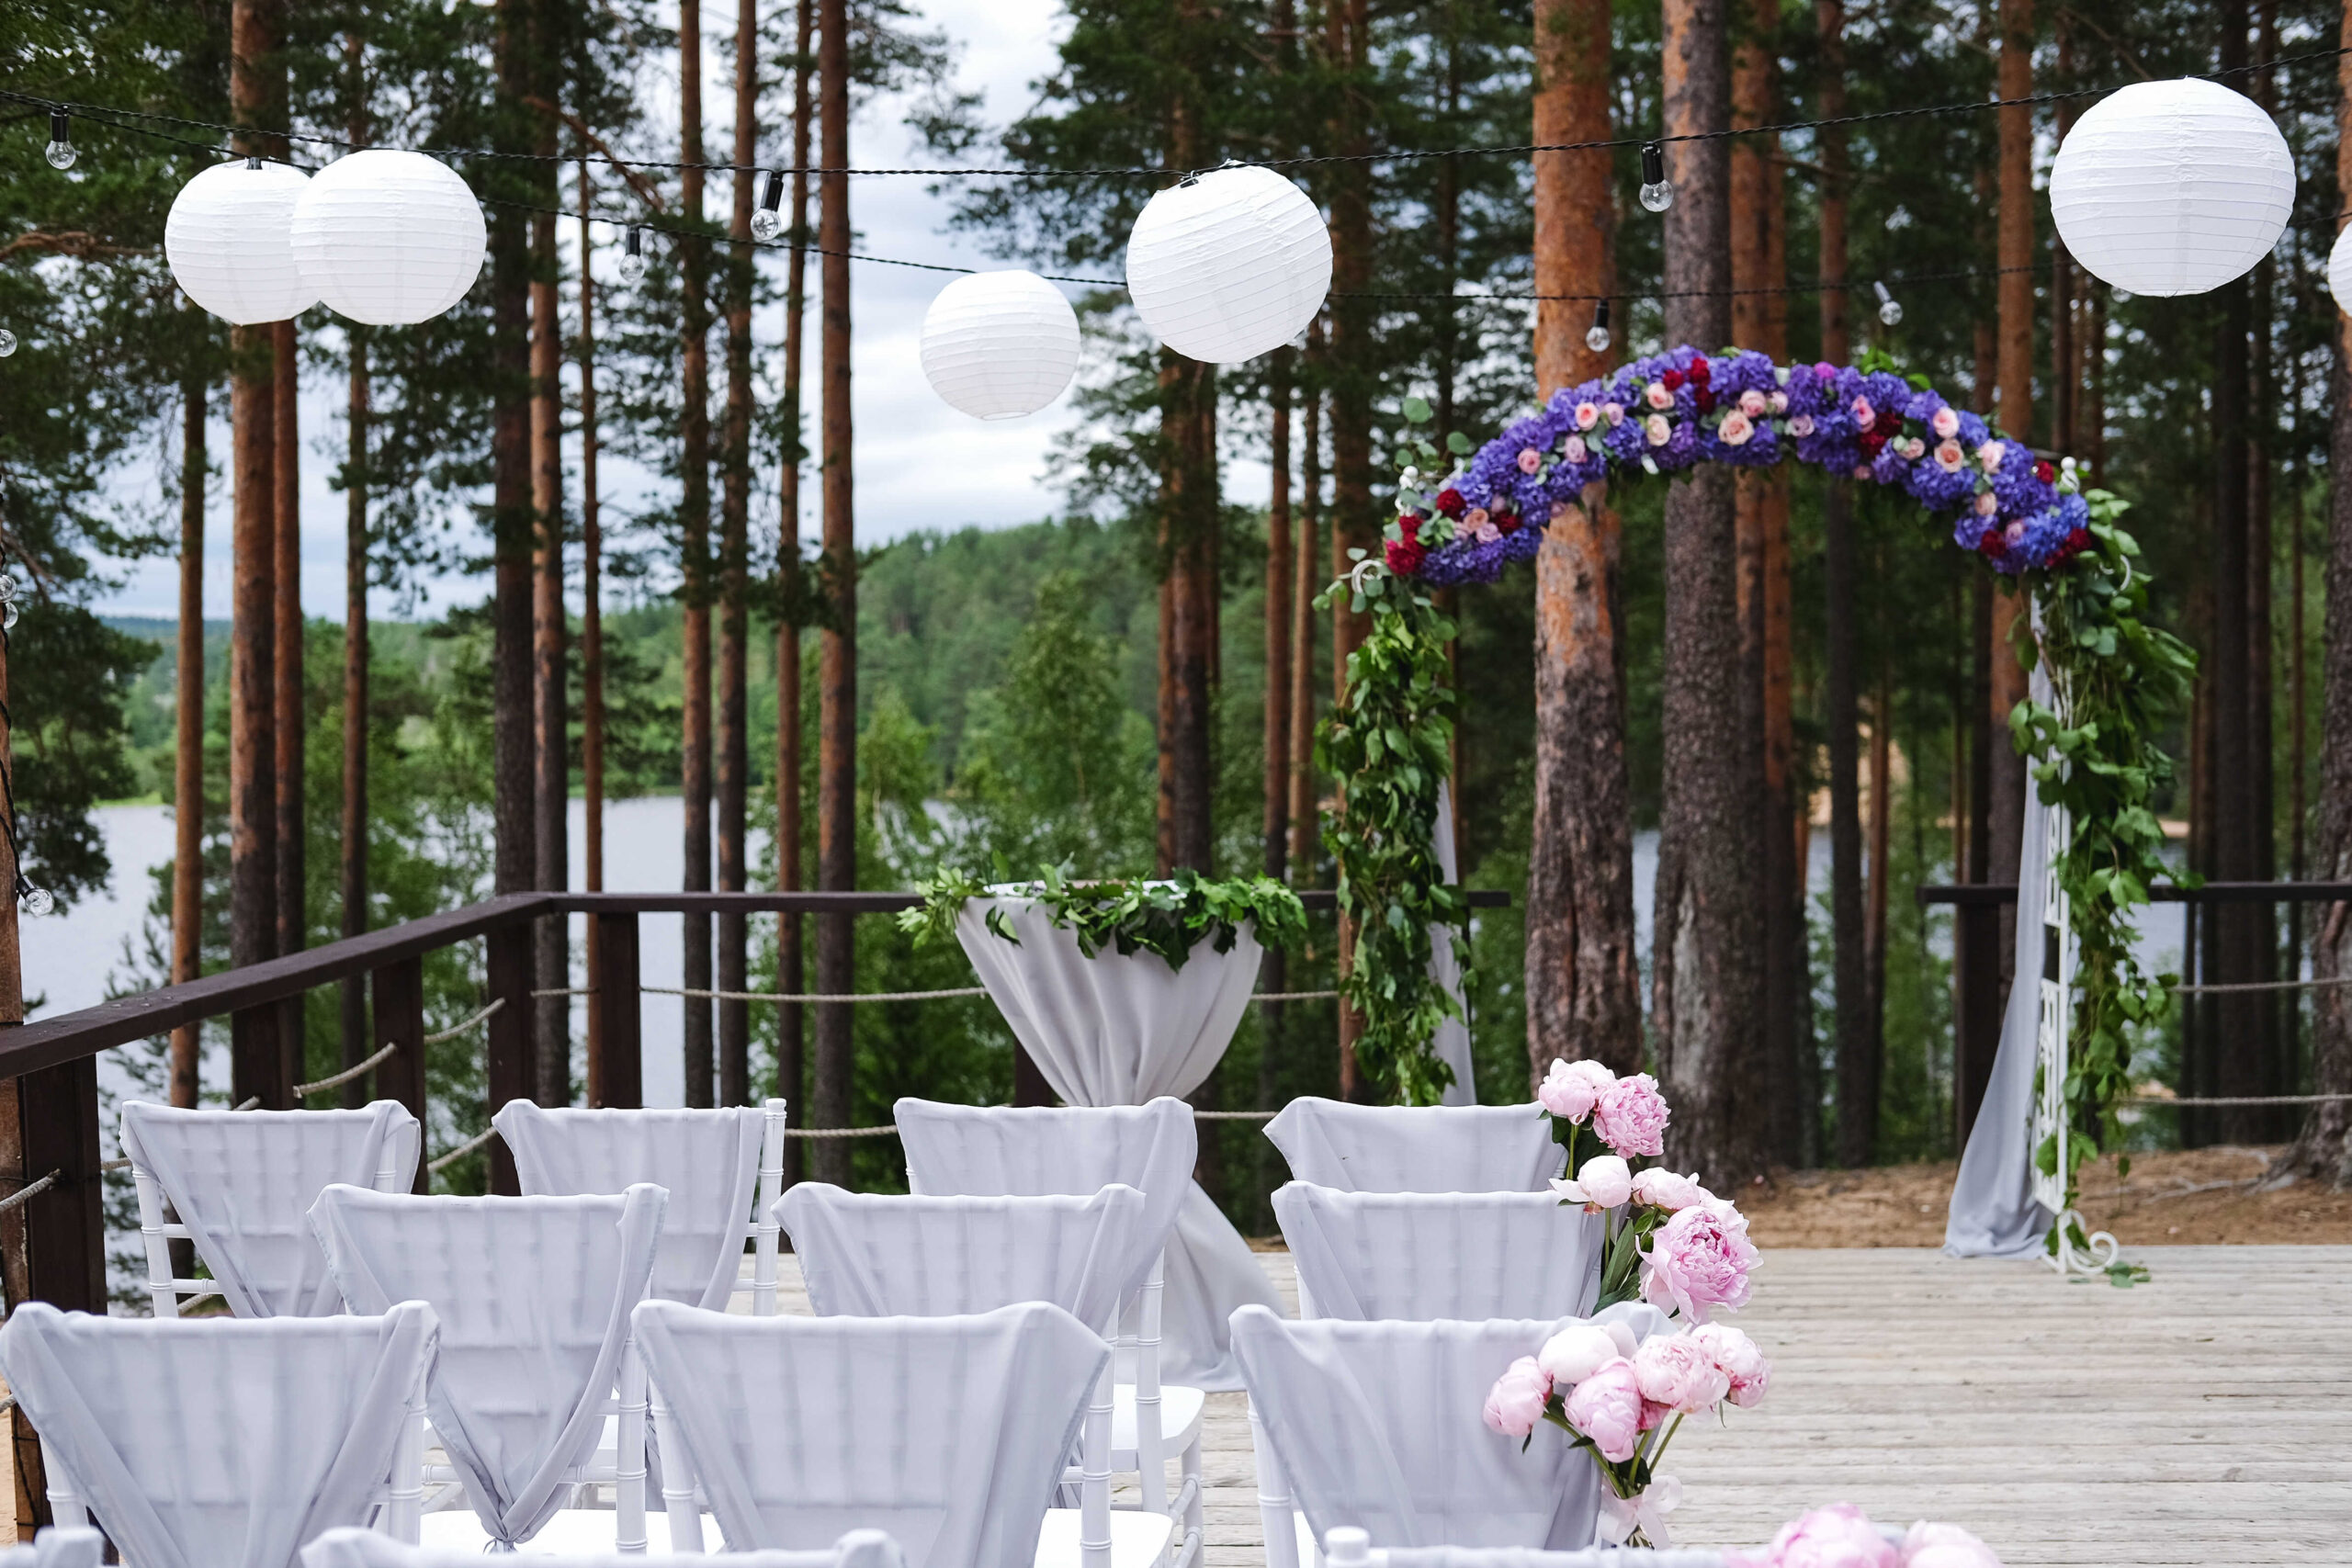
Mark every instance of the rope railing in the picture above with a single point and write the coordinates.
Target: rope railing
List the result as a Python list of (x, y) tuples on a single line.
[(357, 1069), (846, 996), (30, 1190), (445, 1161), (2317, 982), (2205, 1100)]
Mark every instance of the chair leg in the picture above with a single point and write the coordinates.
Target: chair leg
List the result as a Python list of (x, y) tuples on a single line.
[(764, 1224), (628, 1456), (1094, 1494), (65, 1509), (160, 1288), (677, 1486), (1274, 1499), (1151, 1456), (403, 1513)]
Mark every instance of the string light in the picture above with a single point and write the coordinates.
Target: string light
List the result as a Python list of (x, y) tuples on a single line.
[(1890, 308), (767, 224), (632, 266), (1657, 193), (7, 343), (61, 140), (1596, 337)]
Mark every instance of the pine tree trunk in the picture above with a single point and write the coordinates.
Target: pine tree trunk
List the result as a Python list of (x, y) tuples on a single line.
[(551, 726), (187, 768), (790, 959), (1355, 525), (2014, 375), (1850, 970), (694, 528), (1708, 957), (286, 669), (591, 641), (513, 804), (734, 571), (1305, 819), (1583, 972)]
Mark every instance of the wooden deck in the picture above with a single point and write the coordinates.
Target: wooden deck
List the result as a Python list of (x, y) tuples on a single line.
[(2203, 1418)]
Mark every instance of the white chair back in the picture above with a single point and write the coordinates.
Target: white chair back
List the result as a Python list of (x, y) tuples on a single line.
[(1353, 1549), (60, 1546), (1417, 1148), (1379, 1426), (710, 1162), (365, 1549), (1418, 1256), (534, 1296), (947, 1432), (223, 1443), (241, 1183)]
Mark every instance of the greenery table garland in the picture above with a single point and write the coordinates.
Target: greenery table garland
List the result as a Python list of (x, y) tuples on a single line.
[(1168, 916)]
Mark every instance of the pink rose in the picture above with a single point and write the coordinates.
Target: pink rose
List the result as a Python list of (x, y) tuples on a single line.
[(1987, 504), (1588, 415), (1657, 395), (1603, 1183), (1801, 425), (1861, 470), (1913, 448), (1487, 532), (1530, 460), (1735, 429), (1631, 1117), (1614, 413), (1778, 403), (1570, 1089), (1516, 1402), (1576, 1352), (1927, 1545), (1989, 456), (1607, 1407), (1573, 449), (1864, 416), (2015, 532), (1944, 423), (1743, 1364), (1835, 1536), (1474, 518), (1656, 431), (1662, 1188), (1752, 405), (1673, 1370), (1949, 457), (1698, 1261)]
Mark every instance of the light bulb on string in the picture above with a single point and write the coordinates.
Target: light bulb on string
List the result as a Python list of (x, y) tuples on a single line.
[(1658, 192), (1890, 308), (8, 613), (1596, 337), (7, 343), (61, 140), (34, 900), (767, 222), (632, 264)]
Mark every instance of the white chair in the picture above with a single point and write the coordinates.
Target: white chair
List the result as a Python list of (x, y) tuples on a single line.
[(710, 1162), (1417, 1148), (988, 1151), (1345, 1548), (63, 1546), (224, 1443), (365, 1548), (871, 1255), (1417, 1255), (1379, 1426), (240, 1183), (534, 1296), (947, 1432)]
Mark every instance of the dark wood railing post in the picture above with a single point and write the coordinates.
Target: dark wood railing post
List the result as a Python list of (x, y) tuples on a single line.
[(1977, 1009), (507, 968), (65, 1226), (399, 994), (617, 1069)]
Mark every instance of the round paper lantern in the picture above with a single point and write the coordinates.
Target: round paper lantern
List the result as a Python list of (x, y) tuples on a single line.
[(1229, 264), (228, 239), (389, 238), (2339, 272), (1000, 344), (2172, 187)]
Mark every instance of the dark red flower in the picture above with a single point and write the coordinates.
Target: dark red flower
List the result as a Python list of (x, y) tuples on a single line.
[(1700, 371), (1871, 440), (2044, 472), (1404, 557), (1506, 521), (2078, 540), (1992, 546), (1705, 400), (1410, 524), (1450, 501), (1672, 380)]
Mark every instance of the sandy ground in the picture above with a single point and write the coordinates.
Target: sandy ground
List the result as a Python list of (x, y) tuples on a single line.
[(2192, 1198)]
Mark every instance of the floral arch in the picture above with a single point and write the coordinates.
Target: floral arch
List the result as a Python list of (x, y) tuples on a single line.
[(2115, 677)]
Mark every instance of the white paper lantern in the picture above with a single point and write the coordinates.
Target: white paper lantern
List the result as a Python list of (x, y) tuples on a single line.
[(1000, 344), (2339, 272), (389, 238), (229, 240), (1229, 265), (2172, 187)]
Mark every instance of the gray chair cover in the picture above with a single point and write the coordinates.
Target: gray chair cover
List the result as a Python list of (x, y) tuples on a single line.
[(875, 1255), (57, 1547), (708, 1161), (372, 1549), (947, 1432), (1379, 1425), (1409, 1148), (204, 1443), (1451, 1044), (534, 1296), (243, 1182), (1521, 1557), (1418, 1256)]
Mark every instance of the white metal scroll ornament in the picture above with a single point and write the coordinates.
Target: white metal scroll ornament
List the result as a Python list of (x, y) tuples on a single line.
[(2098, 1250)]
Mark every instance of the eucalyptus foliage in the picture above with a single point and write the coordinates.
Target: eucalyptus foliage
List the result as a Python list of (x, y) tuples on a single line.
[(1168, 916)]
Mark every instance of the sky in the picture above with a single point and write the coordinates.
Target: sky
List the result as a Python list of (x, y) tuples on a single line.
[(919, 464)]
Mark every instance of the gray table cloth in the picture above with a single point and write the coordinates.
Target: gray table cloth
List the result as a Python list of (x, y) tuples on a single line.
[(534, 1296), (212, 1443), (1408, 1148), (243, 1182), (947, 1432), (1427, 1255)]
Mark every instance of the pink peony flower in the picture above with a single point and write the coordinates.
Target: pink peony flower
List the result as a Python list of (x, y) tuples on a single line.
[(1698, 1261), (1987, 504), (1989, 456), (1864, 416), (1589, 416), (1662, 1188), (1735, 429), (1576, 1352), (1656, 431), (1749, 1374), (1607, 1407), (1530, 460), (1631, 1117), (1603, 1183), (1929, 1545), (1614, 413), (1573, 449), (1516, 1402), (1801, 425), (1777, 403), (1657, 395), (1836, 1537), (1674, 1370), (1945, 424), (1949, 457), (1752, 403)]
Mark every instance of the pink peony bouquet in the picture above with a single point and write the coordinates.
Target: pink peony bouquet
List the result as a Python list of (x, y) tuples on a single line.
[(1623, 1401), (1669, 1241), (1840, 1536)]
